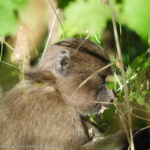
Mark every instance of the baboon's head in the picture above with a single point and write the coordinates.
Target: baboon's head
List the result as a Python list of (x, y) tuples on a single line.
[(73, 61)]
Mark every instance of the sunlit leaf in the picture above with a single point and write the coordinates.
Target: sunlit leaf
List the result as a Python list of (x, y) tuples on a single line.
[(87, 15), (136, 16)]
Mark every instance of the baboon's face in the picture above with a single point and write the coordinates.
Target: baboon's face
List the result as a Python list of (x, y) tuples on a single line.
[(72, 70), (89, 97), (71, 67)]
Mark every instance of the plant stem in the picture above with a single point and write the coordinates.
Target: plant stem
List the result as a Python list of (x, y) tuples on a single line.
[(123, 76), (1, 55)]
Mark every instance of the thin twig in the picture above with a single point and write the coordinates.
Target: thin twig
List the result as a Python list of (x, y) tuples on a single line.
[(91, 76), (141, 130), (120, 88), (3, 41), (35, 48), (140, 117), (123, 75), (122, 118), (11, 65), (49, 1), (97, 102), (1, 55), (140, 109), (9, 46), (49, 36), (84, 40), (120, 85)]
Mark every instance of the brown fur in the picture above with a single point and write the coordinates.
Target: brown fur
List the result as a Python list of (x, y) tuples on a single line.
[(42, 112)]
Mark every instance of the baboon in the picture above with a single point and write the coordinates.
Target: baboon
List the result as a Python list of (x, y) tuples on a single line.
[(45, 110)]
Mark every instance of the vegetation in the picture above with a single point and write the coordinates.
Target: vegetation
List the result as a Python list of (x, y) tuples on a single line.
[(93, 19)]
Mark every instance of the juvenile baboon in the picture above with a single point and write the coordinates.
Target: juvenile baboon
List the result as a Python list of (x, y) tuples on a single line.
[(45, 110)]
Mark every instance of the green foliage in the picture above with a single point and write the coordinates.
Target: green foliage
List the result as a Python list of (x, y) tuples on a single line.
[(9, 76), (9, 10), (138, 75), (63, 3), (138, 81), (103, 120), (83, 15), (108, 113), (135, 14)]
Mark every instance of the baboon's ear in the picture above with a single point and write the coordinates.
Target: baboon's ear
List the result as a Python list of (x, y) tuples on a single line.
[(63, 64)]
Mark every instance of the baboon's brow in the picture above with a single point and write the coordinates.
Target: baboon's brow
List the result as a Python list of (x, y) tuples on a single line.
[(73, 45)]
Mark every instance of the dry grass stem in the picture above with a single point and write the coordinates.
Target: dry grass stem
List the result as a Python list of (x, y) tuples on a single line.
[(8, 45), (122, 118), (140, 117), (49, 1), (33, 43), (141, 130), (1, 55), (103, 103), (91, 76), (123, 76), (139, 109), (120, 85), (80, 44), (49, 36), (10, 65)]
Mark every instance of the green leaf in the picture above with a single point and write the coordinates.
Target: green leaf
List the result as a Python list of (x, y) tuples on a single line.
[(108, 113), (63, 3), (8, 18), (136, 16), (8, 21), (18, 4), (87, 15)]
